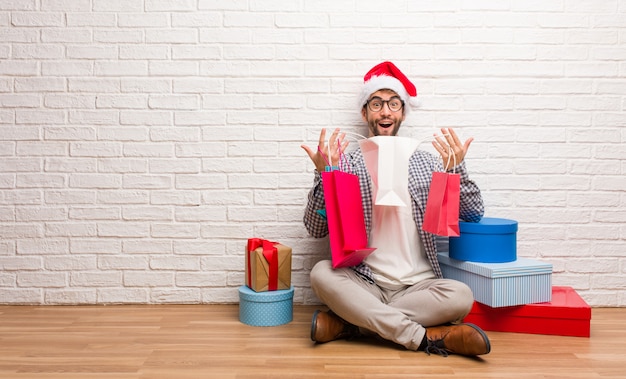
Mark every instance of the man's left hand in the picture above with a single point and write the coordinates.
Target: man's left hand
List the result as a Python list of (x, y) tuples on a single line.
[(450, 148)]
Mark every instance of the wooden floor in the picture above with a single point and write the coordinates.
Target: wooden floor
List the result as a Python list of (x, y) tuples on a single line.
[(208, 341)]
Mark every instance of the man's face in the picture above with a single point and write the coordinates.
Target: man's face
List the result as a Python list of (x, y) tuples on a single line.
[(384, 122)]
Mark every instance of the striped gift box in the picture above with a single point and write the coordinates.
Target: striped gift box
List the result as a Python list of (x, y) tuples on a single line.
[(523, 281)]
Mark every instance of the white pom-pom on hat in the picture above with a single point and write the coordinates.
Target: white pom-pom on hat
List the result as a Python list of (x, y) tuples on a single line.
[(386, 75)]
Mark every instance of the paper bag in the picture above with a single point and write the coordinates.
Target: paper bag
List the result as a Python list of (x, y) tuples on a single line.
[(268, 265), (346, 222), (442, 207), (387, 161)]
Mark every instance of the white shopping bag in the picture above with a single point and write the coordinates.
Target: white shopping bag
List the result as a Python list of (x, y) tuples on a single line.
[(387, 161)]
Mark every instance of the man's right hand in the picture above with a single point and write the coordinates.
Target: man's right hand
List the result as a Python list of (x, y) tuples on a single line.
[(337, 144)]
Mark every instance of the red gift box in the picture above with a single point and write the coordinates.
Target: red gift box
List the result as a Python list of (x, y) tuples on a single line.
[(566, 315)]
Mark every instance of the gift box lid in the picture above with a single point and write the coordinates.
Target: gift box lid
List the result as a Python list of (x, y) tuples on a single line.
[(489, 225), (519, 267), (565, 304), (247, 294)]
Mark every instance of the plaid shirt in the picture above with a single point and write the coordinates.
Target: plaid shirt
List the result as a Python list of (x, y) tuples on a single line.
[(421, 166)]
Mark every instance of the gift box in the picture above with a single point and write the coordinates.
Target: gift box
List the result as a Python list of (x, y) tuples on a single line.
[(492, 240), (268, 265), (566, 315), (520, 282), (269, 308)]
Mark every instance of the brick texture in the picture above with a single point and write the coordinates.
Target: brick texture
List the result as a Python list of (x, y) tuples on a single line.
[(143, 141)]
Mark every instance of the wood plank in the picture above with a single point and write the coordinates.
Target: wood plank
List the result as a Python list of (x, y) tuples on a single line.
[(208, 341)]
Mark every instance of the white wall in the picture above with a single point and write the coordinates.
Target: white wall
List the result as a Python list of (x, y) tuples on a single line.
[(143, 141)]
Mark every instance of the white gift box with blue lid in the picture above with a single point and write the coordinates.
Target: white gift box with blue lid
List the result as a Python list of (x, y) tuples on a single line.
[(492, 240), (523, 281), (269, 308)]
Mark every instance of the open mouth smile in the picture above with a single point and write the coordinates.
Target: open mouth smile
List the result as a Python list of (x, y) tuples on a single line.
[(385, 124)]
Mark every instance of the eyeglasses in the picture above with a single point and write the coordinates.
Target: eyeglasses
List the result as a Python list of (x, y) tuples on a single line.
[(375, 104)]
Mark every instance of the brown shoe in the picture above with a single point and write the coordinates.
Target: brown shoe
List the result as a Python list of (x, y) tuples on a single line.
[(463, 339), (327, 326)]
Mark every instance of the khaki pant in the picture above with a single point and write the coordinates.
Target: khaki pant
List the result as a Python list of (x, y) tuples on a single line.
[(400, 316)]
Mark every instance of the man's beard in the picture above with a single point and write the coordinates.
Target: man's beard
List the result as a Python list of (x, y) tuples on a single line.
[(375, 129)]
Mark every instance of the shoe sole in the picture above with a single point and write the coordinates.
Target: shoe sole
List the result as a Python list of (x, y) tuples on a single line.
[(482, 333), (313, 323)]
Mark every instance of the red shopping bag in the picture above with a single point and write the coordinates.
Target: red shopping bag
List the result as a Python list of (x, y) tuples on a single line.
[(442, 207), (346, 223)]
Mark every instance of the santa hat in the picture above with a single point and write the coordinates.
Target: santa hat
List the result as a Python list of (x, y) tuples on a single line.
[(387, 76)]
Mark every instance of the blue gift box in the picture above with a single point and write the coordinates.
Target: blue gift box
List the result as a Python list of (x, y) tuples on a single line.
[(492, 240), (523, 281), (270, 308)]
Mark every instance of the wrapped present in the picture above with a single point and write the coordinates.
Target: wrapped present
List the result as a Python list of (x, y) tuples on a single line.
[(492, 240), (268, 265), (523, 281), (270, 308), (566, 315)]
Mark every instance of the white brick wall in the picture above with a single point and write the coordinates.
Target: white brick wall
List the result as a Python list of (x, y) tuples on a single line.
[(143, 141)]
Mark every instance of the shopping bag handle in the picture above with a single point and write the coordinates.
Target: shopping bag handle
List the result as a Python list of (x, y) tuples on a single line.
[(342, 157), (450, 154), (357, 137)]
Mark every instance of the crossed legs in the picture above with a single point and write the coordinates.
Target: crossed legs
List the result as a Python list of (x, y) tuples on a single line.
[(400, 316)]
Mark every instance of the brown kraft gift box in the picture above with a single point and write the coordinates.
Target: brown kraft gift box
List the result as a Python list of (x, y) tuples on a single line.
[(268, 265)]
